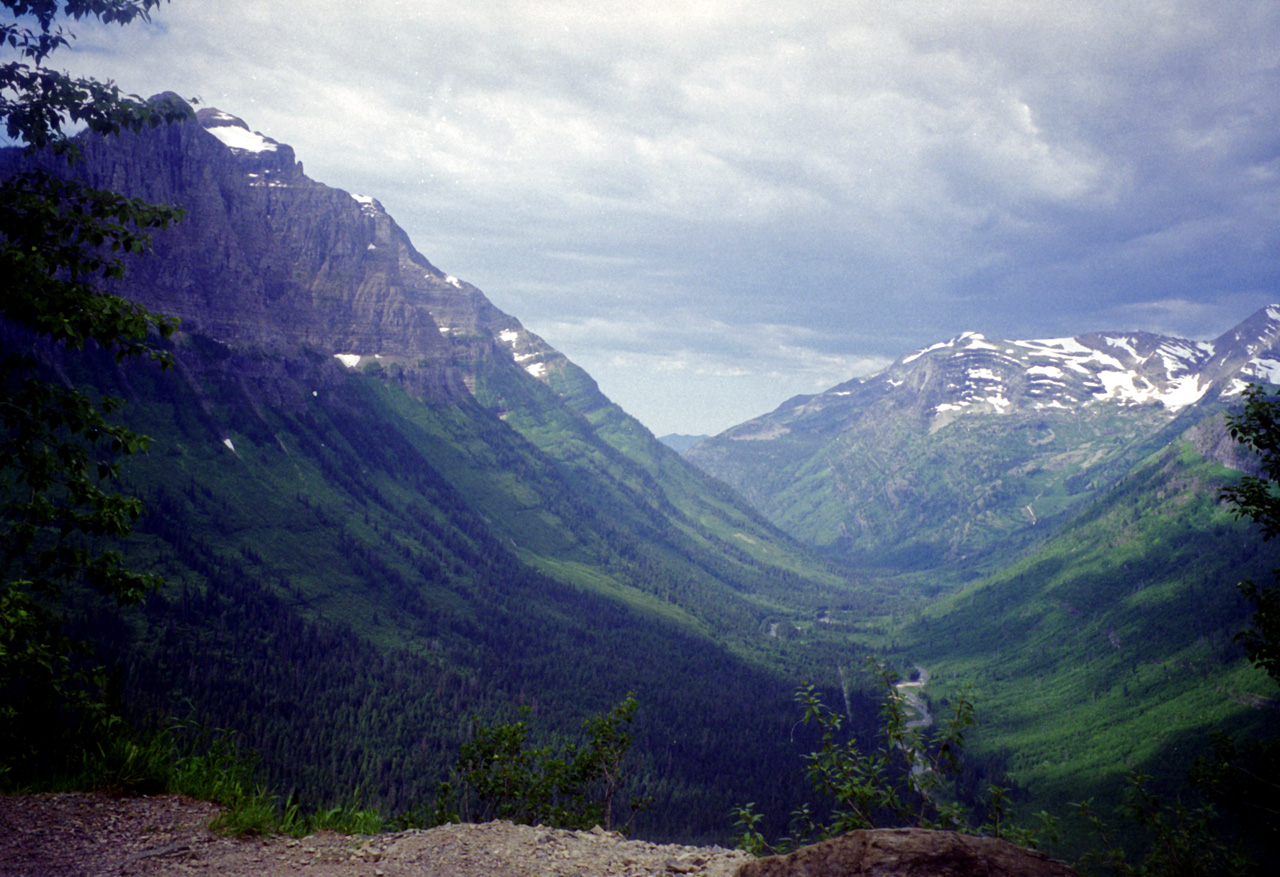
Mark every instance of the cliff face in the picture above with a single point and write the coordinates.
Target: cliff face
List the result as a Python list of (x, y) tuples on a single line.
[(271, 260)]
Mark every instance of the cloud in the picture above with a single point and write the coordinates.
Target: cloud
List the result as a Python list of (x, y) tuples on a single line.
[(685, 370), (869, 176)]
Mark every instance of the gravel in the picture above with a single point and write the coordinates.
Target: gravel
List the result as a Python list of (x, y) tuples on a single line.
[(85, 835)]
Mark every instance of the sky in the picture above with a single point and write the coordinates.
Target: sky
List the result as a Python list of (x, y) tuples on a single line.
[(714, 205)]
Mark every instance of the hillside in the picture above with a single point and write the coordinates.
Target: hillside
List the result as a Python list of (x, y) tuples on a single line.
[(1111, 648)]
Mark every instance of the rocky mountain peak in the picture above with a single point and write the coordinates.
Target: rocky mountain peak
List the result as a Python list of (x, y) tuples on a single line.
[(973, 373), (265, 160), (271, 260), (1248, 353)]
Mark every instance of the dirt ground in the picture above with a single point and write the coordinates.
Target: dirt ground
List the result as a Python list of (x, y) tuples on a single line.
[(83, 835)]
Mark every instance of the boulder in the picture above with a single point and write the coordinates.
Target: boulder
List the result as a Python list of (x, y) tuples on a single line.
[(908, 852)]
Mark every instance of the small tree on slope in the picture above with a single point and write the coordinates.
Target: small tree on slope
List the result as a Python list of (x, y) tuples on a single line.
[(59, 241)]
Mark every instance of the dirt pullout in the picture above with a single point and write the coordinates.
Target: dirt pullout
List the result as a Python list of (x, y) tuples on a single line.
[(81, 835)]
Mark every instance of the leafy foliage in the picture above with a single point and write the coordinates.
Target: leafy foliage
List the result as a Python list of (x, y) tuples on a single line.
[(36, 102), (1242, 778), (59, 240), (901, 782), (1184, 841), (574, 788), (1254, 497)]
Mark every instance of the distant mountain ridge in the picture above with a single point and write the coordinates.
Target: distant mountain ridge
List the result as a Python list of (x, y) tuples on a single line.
[(973, 374), (960, 449), (1054, 508)]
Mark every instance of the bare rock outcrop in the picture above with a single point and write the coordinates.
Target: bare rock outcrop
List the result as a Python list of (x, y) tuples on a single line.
[(908, 852)]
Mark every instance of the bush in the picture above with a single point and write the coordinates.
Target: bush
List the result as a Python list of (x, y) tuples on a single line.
[(499, 777), (902, 782)]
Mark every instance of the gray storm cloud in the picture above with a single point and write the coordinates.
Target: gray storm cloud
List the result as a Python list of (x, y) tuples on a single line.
[(807, 189)]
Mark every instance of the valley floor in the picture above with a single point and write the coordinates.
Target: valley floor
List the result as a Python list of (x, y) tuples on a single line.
[(83, 835)]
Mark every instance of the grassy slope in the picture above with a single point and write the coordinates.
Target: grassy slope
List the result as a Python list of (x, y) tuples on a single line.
[(1111, 648), (885, 492), (686, 520)]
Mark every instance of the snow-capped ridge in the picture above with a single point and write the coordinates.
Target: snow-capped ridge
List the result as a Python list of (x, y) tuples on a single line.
[(963, 341), (974, 373)]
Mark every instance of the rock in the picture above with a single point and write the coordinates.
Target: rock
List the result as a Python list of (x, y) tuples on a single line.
[(908, 852)]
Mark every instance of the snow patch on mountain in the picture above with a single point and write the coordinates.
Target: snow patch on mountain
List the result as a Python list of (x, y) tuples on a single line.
[(1051, 371), (511, 337), (919, 353), (369, 206), (962, 342), (1265, 370), (1125, 344), (1186, 391), (974, 341), (1071, 352), (242, 139), (970, 372)]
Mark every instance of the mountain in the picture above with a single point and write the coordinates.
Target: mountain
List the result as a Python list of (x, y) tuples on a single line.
[(386, 510), (966, 452), (290, 289)]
